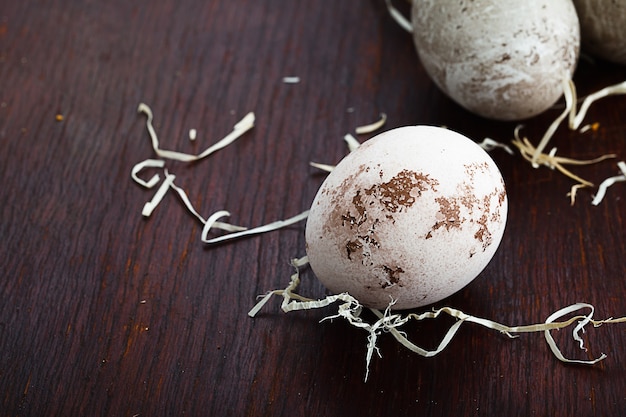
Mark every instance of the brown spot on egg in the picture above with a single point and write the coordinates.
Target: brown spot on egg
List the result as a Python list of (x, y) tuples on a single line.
[(370, 206), (502, 195), (401, 191), (352, 247), (450, 211), (392, 276), (482, 234)]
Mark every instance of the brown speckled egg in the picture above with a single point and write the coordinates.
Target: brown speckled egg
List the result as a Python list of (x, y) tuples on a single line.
[(603, 28), (501, 59), (414, 214)]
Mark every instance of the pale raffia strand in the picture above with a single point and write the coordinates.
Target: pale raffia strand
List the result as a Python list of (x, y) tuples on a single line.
[(609, 182), (211, 222), (372, 127), (575, 117), (239, 129), (350, 309), (537, 157)]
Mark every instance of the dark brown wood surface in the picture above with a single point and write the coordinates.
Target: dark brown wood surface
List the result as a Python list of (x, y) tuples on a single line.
[(103, 312)]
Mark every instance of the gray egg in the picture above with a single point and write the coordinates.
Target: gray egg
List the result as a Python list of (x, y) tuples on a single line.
[(603, 28), (500, 59)]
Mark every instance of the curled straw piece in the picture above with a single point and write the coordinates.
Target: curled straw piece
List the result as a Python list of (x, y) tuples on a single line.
[(322, 167), (362, 130), (609, 182), (214, 224), (574, 118), (489, 144), (536, 155), (569, 92), (352, 143), (402, 21), (211, 222), (148, 163), (149, 207), (529, 152), (350, 309), (239, 129), (165, 186)]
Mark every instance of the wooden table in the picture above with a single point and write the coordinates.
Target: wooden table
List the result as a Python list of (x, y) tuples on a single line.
[(104, 312)]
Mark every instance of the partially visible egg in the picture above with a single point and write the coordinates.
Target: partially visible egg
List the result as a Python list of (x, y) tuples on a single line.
[(603, 28), (500, 59), (414, 214)]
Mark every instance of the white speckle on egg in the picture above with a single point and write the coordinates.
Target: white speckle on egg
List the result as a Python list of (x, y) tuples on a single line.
[(501, 59), (412, 215)]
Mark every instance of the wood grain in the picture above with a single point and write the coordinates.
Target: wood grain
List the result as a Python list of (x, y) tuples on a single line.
[(103, 312)]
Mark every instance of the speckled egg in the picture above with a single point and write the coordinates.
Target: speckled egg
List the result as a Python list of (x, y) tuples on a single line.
[(500, 59), (414, 214)]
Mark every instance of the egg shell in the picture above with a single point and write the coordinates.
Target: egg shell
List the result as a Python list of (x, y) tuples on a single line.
[(603, 28), (414, 214), (500, 59)]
